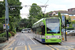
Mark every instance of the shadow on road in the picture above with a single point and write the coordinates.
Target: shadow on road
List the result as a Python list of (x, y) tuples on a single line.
[(47, 43)]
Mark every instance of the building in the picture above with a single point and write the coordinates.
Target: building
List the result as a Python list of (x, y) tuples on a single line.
[(70, 13), (71, 10)]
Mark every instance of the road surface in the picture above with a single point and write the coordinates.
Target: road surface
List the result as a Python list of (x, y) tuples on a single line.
[(25, 41)]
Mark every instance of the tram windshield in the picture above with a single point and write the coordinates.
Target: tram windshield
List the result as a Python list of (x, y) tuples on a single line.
[(53, 25)]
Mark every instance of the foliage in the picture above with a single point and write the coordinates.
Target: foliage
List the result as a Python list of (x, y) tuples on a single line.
[(35, 10), (3, 39), (35, 13), (0, 35), (5, 35), (59, 15), (69, 18), (47, 15), (12, 33), (73, 22), (14, 13), (14, 30), (2, 9), (9, 34), (1, 27)]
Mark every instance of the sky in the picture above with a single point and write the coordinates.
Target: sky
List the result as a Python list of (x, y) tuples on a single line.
[(53, 5)]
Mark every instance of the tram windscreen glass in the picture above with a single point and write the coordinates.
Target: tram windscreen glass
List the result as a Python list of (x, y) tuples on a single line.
[(53, 25)]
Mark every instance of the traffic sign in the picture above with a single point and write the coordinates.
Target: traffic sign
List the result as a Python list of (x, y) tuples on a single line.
[(4, 26), (67, 25), (63, 20)]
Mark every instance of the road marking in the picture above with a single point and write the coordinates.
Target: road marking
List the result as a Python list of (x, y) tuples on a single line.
[(49, 47), (20, 47), (70, 48), (15, 48), (31, 39), (53, 47), (39, 47), (8, 49), (65, 47), (11, 48), (9, 44), (29, 47), (25, 47)]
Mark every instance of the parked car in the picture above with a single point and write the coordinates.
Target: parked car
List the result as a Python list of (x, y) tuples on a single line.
[(26, 30), (29, 30), (68, 31)]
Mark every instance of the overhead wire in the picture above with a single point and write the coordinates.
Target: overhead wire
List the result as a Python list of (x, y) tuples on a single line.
[(46, 6)]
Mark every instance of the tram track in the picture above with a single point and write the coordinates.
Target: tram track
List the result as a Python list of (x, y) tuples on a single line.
[(53, 48)]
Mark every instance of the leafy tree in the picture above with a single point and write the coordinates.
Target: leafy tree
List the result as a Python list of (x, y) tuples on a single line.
[(69, 19), (2, 9), (14, 12), (35, 10), (35, 13), (1, 27), (59, 15), (73, 22), (24, 23), (47, 15)]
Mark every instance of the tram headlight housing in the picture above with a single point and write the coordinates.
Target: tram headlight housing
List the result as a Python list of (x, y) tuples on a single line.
[(58, 37), (47, 37)]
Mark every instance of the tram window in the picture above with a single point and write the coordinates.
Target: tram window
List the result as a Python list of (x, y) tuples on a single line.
[(38, 30), (43, 30)]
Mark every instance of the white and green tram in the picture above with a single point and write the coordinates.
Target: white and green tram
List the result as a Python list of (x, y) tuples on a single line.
[(48, 30)]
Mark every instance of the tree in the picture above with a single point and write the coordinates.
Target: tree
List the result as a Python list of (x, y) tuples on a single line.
[(35, 13), (59, 15), (2, 9), (1, 27), (14, 13), (35, 10), (46, 15)]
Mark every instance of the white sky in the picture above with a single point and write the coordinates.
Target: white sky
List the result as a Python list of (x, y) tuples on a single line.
[(52, 5)]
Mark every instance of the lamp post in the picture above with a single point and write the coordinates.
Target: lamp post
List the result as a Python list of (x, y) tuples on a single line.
[(6, 17)]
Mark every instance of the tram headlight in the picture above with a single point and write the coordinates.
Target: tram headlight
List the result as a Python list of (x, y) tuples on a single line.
[(47, 37), (59, 37)]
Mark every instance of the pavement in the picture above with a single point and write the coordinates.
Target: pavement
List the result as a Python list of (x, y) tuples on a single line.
[(70, 38), (24, 41), (2, 45)]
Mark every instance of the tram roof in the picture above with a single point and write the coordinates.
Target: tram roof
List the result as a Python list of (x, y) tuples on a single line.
[(39, 21), (46, 18)]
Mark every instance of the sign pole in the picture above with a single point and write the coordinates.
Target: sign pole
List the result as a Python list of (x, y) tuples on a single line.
[(65, 30), (6, 17)]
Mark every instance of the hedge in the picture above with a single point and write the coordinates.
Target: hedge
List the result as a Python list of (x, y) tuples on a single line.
[(5, 35), (3, 39), (12, 33)]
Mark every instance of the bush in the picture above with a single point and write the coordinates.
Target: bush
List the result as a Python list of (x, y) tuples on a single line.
[(3, 39), (12, 33), (1, 27), (9, 34), (14, 30), (5, 35), (0, 35)]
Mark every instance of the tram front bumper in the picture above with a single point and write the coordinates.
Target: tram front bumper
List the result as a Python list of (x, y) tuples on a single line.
[(53, 40)]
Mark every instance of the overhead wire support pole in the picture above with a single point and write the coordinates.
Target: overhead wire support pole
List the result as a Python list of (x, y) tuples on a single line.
[(45, 7), (6, 17), (65, 30)]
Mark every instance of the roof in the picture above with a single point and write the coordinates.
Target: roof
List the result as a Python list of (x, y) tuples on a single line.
[(43, 19), (65, 12), (39, 20)]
